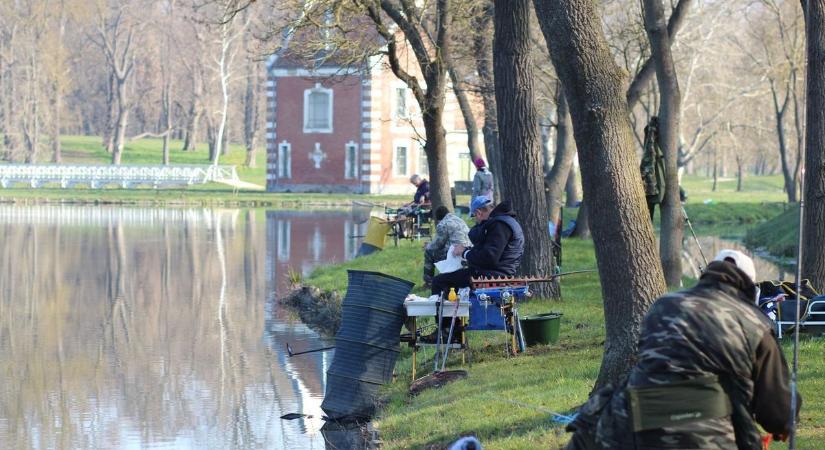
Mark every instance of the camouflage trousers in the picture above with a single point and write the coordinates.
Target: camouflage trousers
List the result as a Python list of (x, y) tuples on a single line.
[(430, 258)]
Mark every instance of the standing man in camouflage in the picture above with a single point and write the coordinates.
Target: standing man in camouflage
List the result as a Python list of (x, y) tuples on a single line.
[(709, 369), (451, 230)]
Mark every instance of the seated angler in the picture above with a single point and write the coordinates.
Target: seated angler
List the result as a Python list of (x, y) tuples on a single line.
[(451, 230), (498, 243)]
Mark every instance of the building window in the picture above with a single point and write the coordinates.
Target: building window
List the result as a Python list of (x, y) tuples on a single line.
[(318, 110), (400, 111), (351, 160), (400, 161), (464, 166), (423, 167), (284, 160)]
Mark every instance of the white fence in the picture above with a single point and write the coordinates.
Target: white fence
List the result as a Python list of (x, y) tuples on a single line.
[(125, 176)]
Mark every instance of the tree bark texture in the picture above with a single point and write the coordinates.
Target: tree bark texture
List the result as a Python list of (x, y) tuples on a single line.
[(563, 161), (521, 163), (483, 45), (628, 263), (672, 225), (813, 234), (582, 230)]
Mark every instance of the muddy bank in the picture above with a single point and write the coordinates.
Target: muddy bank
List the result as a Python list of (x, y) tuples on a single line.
[(320, 310)]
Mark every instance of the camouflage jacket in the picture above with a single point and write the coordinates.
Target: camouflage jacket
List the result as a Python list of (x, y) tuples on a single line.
[(450, 230), (712, 329)]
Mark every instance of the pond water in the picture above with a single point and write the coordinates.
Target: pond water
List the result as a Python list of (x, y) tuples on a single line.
[(766, 269), (158, 328)]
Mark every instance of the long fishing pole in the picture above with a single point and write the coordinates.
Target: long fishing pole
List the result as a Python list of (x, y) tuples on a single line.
[(795, 370), (690, 227)]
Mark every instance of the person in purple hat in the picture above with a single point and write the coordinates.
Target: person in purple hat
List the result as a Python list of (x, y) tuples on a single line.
[(483, 180)]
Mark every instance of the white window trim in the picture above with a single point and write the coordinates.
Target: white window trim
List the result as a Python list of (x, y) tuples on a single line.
[(407, 97), (347, 166), (284, 167), (317, 88), (425, 169), (401, 143)]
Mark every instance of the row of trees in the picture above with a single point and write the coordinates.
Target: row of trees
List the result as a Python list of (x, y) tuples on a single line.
[(703, 99), (125, 70)]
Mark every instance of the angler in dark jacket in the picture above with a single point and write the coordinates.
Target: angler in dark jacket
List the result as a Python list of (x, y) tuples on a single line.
[(709, 369), (498, 243)]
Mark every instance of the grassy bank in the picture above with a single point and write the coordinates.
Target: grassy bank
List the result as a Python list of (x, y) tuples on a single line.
[(778, 236), (506, 401)]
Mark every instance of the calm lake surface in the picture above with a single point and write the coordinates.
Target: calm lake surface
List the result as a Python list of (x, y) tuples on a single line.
[(158, 328)]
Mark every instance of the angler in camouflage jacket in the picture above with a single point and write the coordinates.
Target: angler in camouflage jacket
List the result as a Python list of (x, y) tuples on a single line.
[(450, 230), (709, 369)]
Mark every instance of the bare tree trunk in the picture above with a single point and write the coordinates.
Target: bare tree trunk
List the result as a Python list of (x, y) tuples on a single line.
[(252, 108), (813, 259), (57, 103), (631, 277), (715, 171), (642, 78), (740, 172), (120, 123), (483, 45), (556, 179), (466, 112), (779, 115), (111, 117), (671, 230), (522, 163), (571, 189), (167, 118)]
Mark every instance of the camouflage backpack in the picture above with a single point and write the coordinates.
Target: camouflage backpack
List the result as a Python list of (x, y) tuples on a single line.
[(653, 164)]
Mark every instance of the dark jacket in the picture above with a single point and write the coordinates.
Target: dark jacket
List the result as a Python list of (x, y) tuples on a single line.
[(710, 330), (422, 194), (498, 244)]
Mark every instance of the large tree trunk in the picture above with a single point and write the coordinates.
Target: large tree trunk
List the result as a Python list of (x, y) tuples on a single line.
[(631, 276), (813, 258), (522, 162), (672, 226), (483, 45), (565, 154)]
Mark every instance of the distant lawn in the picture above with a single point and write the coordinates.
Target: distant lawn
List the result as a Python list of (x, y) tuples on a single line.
[(755, 189), (89, 150)]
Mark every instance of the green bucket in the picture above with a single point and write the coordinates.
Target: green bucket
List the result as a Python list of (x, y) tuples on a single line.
[(541, 328)]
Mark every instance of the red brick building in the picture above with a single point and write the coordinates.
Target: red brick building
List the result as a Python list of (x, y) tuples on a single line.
[(337, 129)]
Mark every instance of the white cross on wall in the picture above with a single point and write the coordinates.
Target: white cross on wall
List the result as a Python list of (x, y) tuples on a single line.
[(317, 155)]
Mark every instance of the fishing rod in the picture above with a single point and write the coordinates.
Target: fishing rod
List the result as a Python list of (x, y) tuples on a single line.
[(291, 353), (795, 369), (696, 239)]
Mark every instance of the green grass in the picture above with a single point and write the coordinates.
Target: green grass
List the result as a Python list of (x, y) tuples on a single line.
[(779, 236), (505, 401), (755, 189)]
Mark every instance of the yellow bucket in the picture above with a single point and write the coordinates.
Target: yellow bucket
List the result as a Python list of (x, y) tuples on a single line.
[(377, 232)]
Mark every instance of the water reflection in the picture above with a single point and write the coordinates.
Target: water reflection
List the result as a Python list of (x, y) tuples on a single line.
[(711, 245), (157, 328)]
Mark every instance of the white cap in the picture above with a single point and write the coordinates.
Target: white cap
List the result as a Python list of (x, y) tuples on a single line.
[(741, 260)]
